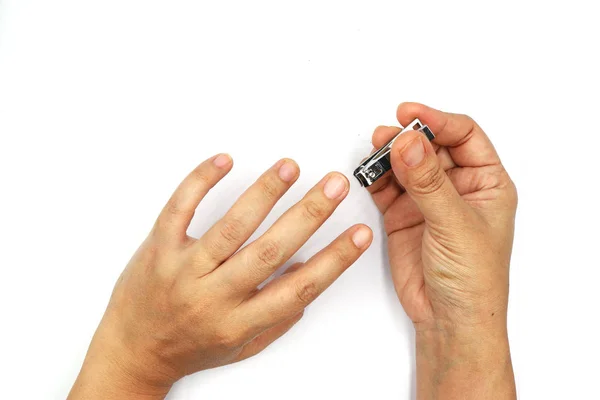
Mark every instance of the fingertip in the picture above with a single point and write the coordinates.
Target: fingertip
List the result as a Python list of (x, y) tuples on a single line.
[(222, 161), (339, 174), (381, 129), (384, 134), (409, 106), (336, 186), (288, 170), (413, 154), (408, 111), (400, 144), (406, 106), (408, 152), (362, 236)]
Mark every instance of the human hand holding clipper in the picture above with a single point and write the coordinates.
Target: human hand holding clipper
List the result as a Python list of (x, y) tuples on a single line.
[(449, 209)]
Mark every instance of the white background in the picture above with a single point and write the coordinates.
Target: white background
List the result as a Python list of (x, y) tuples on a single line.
[(106, 105)]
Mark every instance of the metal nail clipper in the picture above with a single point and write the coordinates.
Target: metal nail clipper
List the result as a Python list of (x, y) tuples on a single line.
[(379, 162)]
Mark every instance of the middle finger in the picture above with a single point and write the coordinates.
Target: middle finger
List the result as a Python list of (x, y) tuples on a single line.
[(244, 217), (257, 261)]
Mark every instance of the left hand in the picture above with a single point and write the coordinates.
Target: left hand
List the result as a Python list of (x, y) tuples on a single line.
[(184, 305)]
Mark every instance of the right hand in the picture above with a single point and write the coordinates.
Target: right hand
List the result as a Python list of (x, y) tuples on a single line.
[(449, 210)]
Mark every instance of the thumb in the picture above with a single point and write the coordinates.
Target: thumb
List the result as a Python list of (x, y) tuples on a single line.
[(418, 169)]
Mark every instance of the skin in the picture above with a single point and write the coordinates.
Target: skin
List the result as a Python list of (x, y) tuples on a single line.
[(449, 211), (184, 305)]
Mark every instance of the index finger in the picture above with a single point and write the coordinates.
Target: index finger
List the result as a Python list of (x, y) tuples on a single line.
[(468, 145), (294, 291)]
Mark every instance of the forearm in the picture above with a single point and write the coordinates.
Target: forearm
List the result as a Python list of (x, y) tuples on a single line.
[(464, 364)]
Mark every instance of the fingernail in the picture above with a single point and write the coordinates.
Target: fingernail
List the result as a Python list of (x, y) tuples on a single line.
[(413, 153), (335, 187), (361, 237), (222, 160), (288, 171)]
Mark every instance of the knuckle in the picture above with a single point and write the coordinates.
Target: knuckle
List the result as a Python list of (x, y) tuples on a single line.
[(467, 121), (342, 255), (306, 292), (171, 213), (430, 180), (229, 339), (232, 230), (201, 177), (174, 208), (311, 210), (269, 188), (471, 125), (270, 253), (509, 187), (381, 128), (467, 117)]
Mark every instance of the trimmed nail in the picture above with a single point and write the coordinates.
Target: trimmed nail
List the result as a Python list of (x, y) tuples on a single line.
[(222, 160), (288, 171), (361, 237), (413, 153), (335, 187)]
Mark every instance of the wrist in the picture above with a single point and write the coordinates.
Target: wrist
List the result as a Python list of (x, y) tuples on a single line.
[(111, 371), (472, 347), (464, 362)]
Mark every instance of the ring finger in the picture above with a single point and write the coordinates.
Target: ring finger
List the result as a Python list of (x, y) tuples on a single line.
[(257, 261), (244, 217)]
